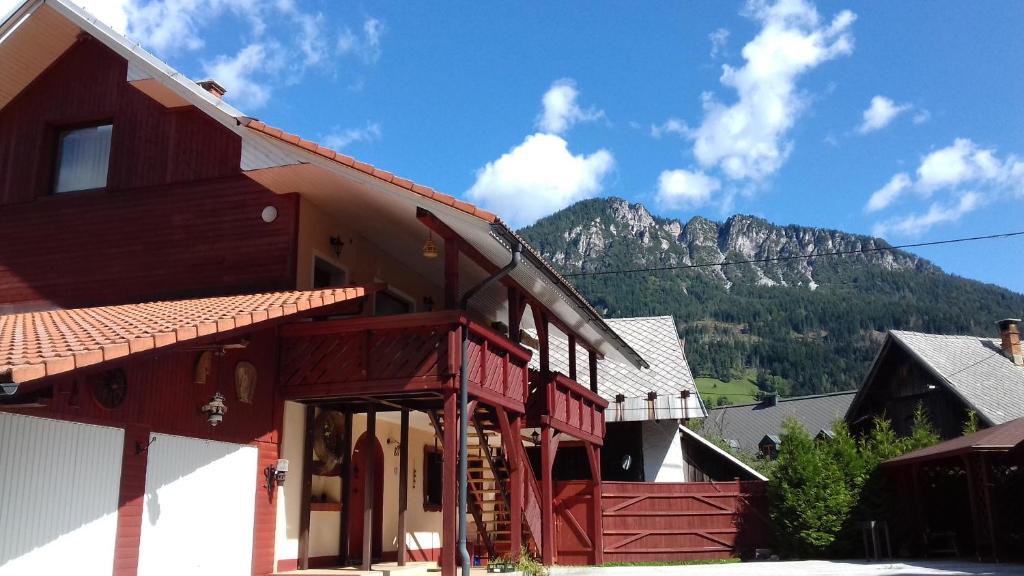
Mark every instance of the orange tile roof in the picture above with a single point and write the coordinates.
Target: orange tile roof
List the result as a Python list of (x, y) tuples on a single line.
[(38, 344), (340, 158)]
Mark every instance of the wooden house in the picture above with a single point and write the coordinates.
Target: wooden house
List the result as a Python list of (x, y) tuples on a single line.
[(225, 349), (948, 376)]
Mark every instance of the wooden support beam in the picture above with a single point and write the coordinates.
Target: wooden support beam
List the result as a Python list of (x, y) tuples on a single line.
[(369, 489), (451, 272), (403, 484), (572, 356), (540, 321), (449, 484), (547, 488), (307, 487), (516, 307), (596, 510), (592, 359), (345, 536), (517, 477)]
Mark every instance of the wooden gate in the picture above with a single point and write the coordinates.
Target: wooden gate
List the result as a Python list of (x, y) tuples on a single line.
[(646, 521)]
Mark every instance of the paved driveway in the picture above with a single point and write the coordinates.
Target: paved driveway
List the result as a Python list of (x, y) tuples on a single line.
[(806, 568)]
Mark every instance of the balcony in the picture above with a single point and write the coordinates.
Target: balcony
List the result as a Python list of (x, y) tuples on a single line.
[(568, 407), (400, 356)]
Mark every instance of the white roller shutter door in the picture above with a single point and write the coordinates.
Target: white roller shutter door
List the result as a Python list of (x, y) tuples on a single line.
[(59, 484), (197, 517)]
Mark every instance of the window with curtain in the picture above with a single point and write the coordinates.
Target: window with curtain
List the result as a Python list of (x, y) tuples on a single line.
[(82, 158)]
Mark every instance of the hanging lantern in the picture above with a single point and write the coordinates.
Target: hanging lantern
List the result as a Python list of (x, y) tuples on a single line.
[(215, 409), (430, 248)]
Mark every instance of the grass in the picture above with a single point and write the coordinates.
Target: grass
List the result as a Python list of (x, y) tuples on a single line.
[(738, 390), (672, 562)]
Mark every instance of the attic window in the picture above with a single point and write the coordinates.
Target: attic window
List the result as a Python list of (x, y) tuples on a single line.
[(83, 155)]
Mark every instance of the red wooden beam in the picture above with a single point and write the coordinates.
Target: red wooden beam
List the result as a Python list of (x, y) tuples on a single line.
[(592, 359), (369, 483), (307, 488), (345, 537), (548, 447), (572, 356), (597, 524)]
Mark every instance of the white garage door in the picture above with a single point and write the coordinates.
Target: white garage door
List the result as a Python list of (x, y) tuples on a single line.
[(58, 496), (197, 517)]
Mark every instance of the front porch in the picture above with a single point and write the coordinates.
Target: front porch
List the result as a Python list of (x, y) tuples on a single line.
[(391, 384)]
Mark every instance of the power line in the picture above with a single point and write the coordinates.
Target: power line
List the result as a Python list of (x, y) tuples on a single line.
[(796, 256)]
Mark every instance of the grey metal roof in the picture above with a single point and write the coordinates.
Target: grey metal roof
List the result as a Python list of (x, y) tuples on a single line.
[(656, 339), (974, 368), (745, 425)]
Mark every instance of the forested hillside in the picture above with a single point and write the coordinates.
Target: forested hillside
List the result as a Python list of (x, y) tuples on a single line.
[(805, 325)]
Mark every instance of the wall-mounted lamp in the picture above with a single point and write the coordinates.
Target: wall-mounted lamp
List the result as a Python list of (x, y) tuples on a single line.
[(536, 438), (429, 247), (337, 245), (215, 409), (275, 475)]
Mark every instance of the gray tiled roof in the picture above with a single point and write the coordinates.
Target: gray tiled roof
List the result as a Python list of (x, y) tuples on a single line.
[(974, 368), (656, 339), (745, 425)]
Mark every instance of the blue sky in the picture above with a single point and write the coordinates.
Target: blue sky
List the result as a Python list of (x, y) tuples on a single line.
[(902, 119)]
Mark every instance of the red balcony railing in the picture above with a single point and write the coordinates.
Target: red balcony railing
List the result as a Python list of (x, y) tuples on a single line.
[(568, 407), (396, 354)]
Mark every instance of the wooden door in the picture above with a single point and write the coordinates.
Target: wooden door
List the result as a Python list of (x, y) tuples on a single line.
[(355, 523)]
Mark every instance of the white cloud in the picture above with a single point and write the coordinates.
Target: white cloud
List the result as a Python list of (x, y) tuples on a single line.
[(887, 194), (537, 178), (921, 117), (239, 73), (719, 38), (341, 138), (967, 172), (561, 111), (684, 189), (880, 113), (366, 45), (917, 224), (746, 140), (670, 126)]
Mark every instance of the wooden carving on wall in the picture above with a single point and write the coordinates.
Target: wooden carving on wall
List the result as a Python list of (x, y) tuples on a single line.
[(329, 430), (110, 388), (245, 381), (203, 365)]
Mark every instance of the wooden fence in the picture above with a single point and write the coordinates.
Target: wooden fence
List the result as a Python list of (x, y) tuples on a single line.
[(645, 521)]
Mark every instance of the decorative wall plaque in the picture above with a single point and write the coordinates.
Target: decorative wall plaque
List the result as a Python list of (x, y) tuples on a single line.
[(245, 381)]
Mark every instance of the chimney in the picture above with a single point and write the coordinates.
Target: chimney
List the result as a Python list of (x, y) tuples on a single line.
[(1009, 331), (212, 87)]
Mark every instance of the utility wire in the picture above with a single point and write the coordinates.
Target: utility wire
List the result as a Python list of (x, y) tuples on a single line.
[(795, 256)]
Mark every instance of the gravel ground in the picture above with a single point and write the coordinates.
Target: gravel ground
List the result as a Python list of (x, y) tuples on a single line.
[(806, 568)]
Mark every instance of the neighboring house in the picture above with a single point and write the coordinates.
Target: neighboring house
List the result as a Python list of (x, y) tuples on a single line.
[(201, 317), (756, 428), (948, 376), (645, 405)]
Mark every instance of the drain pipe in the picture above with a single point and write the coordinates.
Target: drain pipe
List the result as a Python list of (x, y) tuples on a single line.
[(464, 406)]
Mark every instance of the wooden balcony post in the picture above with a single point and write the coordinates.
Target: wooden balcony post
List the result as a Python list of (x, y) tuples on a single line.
[(369, 486), (518, 488), (597, 524), (592, 359), (449, 495), (572, 356), (451, 273), (403, 484), (307, 488), (547, 488), (345, 537), (515, 315)]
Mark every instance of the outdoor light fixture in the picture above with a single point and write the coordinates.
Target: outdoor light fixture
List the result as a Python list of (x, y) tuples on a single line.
[(627, 462), (429, 247), (536, 438), (215, 409), (275, 475), (337, 244)]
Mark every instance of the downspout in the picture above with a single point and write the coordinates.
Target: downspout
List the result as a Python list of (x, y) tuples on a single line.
[(464, 405)]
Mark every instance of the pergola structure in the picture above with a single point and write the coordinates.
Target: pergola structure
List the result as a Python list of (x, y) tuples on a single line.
[(974, 481)]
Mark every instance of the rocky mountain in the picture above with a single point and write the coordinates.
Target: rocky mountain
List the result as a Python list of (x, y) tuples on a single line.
[(805, 325)]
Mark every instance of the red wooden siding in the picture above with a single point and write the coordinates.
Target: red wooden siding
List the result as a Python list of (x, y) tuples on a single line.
[(151, 145), (178, 219), (644, 521), (129, 511), (265, 519)]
